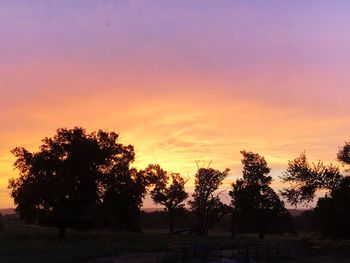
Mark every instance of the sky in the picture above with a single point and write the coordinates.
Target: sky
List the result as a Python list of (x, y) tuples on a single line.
[(181, 80)]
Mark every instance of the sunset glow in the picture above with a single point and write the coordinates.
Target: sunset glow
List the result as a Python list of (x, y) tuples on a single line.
[(181, 81)]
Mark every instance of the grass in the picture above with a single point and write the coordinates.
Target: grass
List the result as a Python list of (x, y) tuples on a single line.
[(23, 243)]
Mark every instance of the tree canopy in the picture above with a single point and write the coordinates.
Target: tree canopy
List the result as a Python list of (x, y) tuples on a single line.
[(207, 205), (305, 179), (332, 211), (71, 175), (256, 206), (343, 155), (168, 190)]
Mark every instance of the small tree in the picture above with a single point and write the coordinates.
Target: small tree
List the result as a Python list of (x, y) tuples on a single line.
[(256, 206), (169, 190), (205, 204)]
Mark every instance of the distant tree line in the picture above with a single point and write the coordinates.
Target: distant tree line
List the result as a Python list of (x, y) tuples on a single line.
[(83, 180)]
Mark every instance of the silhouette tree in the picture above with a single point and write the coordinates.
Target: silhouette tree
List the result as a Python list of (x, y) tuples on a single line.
[(305, 179), (169, 190), (256, 206), (205, 204), (122, 198), (72, 174), (332, 212), (343, 155)]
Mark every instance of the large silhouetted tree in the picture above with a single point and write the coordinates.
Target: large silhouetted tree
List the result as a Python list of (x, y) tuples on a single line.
[(122, 199), (205, 204), (168, 190), (332, 211), (256, 206), (72, 174)]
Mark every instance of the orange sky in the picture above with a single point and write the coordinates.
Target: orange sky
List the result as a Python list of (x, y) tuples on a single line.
[(178, 128), (181, 81)]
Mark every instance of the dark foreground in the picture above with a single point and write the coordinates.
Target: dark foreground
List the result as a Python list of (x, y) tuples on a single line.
[(23, 243)]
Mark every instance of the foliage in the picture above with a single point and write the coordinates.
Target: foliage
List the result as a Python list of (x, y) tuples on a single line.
[(207, 206), (343, 155), (256, 206), (305, 179), (332, 212), (168, 190), (72, 176)]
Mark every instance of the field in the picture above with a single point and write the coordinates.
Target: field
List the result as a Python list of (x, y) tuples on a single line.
[(23, 243)]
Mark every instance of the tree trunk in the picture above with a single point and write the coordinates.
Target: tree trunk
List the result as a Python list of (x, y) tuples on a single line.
[(201, 223), (233, 226), (62, 231), (171, 222), (261, 235)]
